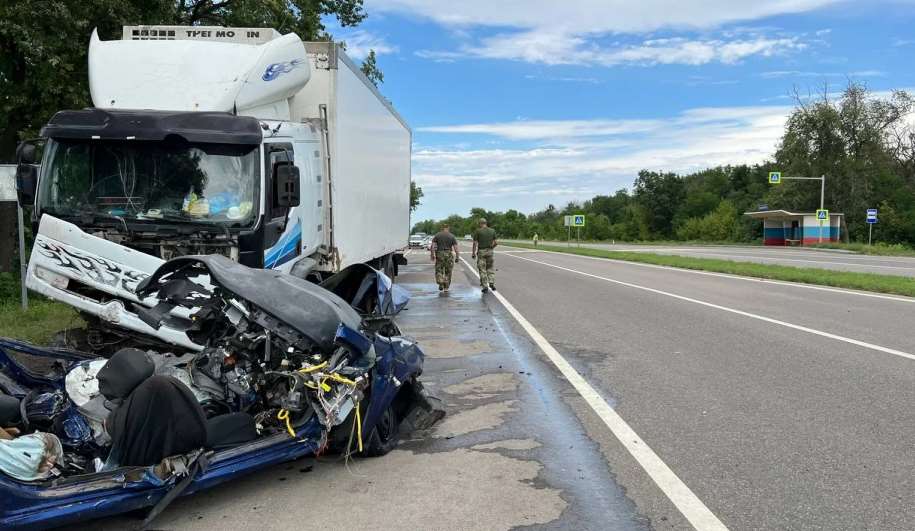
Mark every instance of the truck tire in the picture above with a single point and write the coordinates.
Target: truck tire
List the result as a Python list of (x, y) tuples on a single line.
[(388, 267)]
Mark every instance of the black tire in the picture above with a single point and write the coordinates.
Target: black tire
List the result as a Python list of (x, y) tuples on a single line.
[(388, 267), (384, 435)]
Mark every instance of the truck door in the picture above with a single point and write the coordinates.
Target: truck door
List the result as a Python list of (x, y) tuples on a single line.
[(282, 235)]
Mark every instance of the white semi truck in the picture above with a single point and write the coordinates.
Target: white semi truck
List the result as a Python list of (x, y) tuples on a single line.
[(275, 152)]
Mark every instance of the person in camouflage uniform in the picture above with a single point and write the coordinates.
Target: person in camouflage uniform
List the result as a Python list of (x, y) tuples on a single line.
[(484, 241), (444, 253)]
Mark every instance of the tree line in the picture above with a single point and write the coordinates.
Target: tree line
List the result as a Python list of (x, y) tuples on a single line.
[(863, 142), (44, 45)]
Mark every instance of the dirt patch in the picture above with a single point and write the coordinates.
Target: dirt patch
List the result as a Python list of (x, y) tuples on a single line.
[(485, 417), (487, 384), (454, 348), (473, 490)]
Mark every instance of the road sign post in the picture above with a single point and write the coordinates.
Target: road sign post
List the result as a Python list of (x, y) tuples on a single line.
[(822, 217), (578, 221), (871, 221), (776, 177)]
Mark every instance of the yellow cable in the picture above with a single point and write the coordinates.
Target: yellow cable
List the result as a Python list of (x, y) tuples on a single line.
[(283, 414), (359, 427), (337, 378), (313, 368)]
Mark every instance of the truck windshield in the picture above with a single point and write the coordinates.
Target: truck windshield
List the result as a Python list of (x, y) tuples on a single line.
[(144, 181)]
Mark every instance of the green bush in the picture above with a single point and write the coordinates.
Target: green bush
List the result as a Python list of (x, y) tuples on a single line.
[(717, 226), (9, 287)]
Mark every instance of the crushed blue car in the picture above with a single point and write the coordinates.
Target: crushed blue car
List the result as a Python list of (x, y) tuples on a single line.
[(318, 367)]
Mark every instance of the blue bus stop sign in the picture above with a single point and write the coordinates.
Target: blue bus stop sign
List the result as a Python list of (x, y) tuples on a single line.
[(872, 215)]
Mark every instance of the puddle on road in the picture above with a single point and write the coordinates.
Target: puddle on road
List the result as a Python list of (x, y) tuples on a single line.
[(509, 444)]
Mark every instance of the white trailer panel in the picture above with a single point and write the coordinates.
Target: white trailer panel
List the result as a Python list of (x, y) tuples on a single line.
[(369, 158)]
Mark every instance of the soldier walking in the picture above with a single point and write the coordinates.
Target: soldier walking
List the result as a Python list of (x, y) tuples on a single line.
[(484, 241), (444, 254)]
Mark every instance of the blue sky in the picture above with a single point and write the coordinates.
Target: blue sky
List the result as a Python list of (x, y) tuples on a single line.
[(519, 104)]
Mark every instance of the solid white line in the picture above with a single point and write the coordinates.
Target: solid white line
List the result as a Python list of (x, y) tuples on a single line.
[(736, 277), (786, 324), (679, 494)]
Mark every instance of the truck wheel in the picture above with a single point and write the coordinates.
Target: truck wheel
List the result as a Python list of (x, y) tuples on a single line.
[(388, 267), (384, 436)]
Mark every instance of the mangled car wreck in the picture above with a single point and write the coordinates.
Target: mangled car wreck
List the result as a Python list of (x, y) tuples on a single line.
[(270, 368)]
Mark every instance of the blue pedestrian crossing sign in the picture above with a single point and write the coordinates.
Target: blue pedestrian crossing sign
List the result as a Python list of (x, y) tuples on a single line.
[(775, 177), (823, 216), (872, 215), (578, 220)]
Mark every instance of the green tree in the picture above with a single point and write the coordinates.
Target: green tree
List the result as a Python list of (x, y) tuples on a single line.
[(44, 44), (853, 141), (658, 195), (416, 193), (371, 70)]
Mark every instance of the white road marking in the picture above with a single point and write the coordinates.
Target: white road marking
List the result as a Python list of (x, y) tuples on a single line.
[(786, 324), (738, 277), (672, 486)]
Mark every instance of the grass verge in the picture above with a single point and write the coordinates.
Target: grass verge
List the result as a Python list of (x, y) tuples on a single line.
[(877, 249), (39, 323), (896, 285)]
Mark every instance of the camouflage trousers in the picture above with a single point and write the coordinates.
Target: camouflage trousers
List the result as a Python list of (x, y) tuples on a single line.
[(485, 267), (444, 264)]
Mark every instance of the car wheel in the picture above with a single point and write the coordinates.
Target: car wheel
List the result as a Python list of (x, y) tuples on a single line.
[(383, 438)]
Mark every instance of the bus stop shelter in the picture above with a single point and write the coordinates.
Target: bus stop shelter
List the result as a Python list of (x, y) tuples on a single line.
[(781, 227)]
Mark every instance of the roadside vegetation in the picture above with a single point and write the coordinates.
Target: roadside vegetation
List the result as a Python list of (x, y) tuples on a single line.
[(896, 285), (40, 322), (863, 143), (877, 249)]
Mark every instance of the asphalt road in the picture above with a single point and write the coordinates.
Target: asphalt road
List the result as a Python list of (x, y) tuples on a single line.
[(779, 406), (789, 256)]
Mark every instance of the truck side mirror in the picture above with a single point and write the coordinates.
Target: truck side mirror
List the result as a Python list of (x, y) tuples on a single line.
[(26, 152), (26, 181), (26, 172), (286, 185)]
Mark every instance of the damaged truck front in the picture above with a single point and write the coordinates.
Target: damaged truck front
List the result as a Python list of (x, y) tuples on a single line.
[(314, 367)]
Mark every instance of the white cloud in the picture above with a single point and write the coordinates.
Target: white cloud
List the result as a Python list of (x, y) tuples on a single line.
[(575, 159), (693, 52), (797, 73), (546, 129), (594, 16), (359, 42), (570, 32), (558, 48)]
